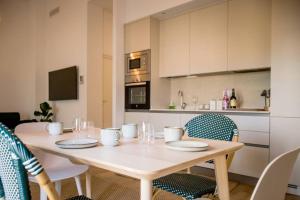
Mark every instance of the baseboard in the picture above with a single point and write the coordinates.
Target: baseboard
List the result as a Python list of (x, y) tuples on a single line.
[(294, 189)]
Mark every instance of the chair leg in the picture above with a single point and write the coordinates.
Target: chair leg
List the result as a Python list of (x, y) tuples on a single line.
[(155, 193), (78, 185), (58, 187), (88, 185), (188, 170), (43, 194)]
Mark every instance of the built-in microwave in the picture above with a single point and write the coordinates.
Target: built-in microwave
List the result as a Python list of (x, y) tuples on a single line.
[(138, 63), (137, 95)]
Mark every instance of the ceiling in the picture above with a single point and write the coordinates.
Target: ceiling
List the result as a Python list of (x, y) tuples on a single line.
[(185, 8), (106, 4)]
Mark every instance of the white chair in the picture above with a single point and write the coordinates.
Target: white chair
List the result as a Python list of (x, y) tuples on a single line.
[(274, 180), (57, 168)]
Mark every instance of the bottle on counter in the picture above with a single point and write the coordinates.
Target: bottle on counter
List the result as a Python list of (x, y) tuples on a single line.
[(225, 103), (233, 100)]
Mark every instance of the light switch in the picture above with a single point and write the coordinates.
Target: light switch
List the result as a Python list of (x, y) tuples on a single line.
[(81, 81)]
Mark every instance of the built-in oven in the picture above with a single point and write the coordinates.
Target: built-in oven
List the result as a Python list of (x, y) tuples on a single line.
[(137, 63), (137, 95)]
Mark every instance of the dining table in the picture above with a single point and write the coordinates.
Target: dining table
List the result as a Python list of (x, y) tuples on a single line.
[(145, 162)]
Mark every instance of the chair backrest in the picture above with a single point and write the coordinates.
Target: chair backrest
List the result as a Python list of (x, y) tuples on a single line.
[(47, 159), (212, 126), (273, 182), (32, 127), (15, 162), (1, 190)]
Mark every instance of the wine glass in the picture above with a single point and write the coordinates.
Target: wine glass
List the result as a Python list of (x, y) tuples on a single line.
[(195, 101)]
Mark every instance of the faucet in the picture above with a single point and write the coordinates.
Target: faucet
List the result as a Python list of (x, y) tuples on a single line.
[(182, 104)]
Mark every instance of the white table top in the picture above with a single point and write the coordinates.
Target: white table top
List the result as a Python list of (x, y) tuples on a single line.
[(131, 158)]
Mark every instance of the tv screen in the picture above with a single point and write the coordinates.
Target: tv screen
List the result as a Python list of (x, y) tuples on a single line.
[(63, 84)]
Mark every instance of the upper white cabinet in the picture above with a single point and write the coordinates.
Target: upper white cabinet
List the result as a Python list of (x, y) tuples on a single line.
[(285, 76), (137, 35), (228, 36), (174, 47), (249, 34), (208, 39)]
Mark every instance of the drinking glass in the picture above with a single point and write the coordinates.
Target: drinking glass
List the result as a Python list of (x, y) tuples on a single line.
[(91, 129), (77, 126), (146, 133), (87, 129)]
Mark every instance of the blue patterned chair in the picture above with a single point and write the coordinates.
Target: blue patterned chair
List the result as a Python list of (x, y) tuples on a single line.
[(15, 162), (209, 126)]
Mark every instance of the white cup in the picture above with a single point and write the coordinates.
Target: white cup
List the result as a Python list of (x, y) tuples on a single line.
[(129, 130), (55, 128), (173, 133), (110, 136)]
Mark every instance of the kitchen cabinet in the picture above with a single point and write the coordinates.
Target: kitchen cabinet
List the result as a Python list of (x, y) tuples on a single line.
[(208, 39), (285, 136), (161, 120), (249, 34), (285, 75), (250, 161), (251, 123), (185, 118), (136, 117), (228, 36), (137, 35), (174, 47), (285, 81)]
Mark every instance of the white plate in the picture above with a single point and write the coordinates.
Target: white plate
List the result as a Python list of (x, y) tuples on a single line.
[(187, 145), (77, 143)]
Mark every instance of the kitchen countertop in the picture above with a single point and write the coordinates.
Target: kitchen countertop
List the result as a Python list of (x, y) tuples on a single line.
[(188, 111)]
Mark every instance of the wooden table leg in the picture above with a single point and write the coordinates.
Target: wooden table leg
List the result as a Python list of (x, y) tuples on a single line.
[(222, 177), (88, 185), (146, 189)]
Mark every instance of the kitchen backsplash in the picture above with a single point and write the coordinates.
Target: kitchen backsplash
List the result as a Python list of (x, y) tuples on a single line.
[(248, 88)]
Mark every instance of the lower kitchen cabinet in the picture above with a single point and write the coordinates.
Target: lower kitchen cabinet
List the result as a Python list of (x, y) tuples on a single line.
[(136, 117), (285, 136), (160, 120), (250, 161)]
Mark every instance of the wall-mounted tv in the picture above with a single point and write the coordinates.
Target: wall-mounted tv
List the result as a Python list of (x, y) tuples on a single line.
[(63, 84)]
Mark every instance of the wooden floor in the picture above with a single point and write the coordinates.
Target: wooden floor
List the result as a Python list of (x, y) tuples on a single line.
[(109, 186)]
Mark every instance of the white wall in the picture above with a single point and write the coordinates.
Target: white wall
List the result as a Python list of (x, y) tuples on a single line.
[(118, 62), (17, 57), (99, 47), (94, 63), (62, 44)]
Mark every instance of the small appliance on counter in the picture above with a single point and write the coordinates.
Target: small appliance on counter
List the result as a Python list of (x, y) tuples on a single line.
[(137, 80)]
